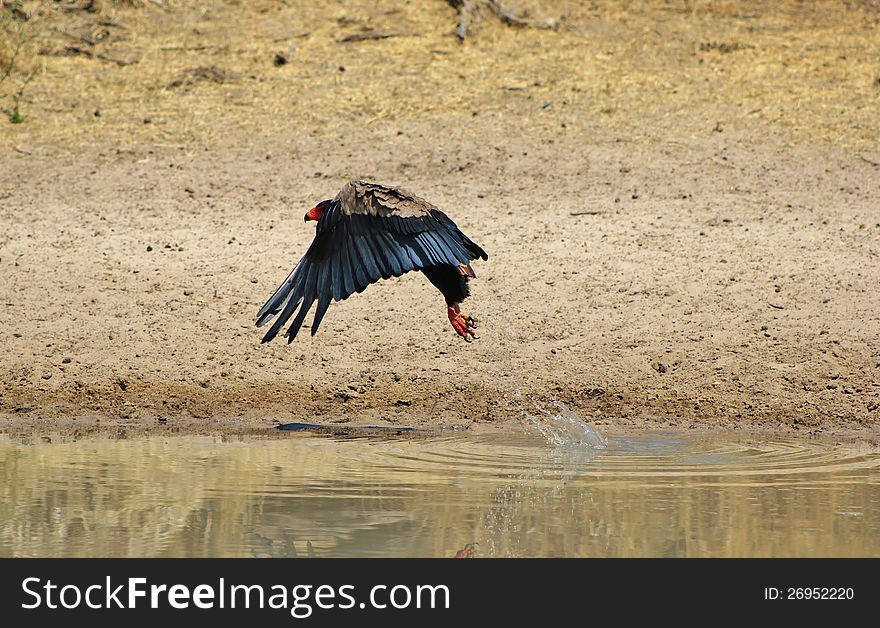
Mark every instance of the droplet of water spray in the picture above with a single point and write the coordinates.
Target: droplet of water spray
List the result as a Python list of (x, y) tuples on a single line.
[(563, 427)]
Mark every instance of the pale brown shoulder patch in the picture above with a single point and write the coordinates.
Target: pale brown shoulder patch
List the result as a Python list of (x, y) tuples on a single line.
[(365, 197)]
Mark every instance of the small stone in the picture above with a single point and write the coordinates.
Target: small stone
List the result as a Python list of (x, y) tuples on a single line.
[(658, 366), (66, 360), (553, 350), (279, 60), (187, 293), (149, 248)]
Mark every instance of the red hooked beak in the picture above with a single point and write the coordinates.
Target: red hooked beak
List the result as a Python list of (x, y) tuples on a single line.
[(314, 213)]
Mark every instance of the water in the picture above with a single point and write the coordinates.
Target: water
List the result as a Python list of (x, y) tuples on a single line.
[(568, 492)]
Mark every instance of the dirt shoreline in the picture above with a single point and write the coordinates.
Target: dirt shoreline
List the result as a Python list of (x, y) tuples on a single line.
[(660, 324), (654, 262)]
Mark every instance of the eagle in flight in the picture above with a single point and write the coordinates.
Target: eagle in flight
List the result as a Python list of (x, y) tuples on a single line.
[(368, 232)]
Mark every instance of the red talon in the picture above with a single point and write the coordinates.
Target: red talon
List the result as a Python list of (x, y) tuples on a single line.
[(463, 323)]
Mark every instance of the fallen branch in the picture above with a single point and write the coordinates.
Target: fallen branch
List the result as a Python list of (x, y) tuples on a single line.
[(467, 8), (506, 15)]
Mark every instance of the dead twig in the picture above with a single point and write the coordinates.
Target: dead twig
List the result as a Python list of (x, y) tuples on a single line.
[(74, 51), (506, 15), (464, 17), (368, 35), (112, 22), (120, 62), (191, 48), (588, 213), (468, 8)]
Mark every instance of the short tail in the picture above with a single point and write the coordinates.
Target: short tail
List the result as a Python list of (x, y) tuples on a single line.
[(467, 271)]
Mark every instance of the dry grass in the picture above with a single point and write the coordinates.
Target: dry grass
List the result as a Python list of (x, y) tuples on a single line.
[(18, 63), (116, 75)]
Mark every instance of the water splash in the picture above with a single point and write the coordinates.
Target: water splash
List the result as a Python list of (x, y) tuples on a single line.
[(562, 427), (574, 444)]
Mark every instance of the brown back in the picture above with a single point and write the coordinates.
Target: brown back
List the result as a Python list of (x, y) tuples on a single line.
[(363, 197)]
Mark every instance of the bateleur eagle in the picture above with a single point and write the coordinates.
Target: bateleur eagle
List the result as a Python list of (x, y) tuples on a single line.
[(367, 232)]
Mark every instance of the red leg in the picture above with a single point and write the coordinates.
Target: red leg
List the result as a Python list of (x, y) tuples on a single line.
[(463, 323)]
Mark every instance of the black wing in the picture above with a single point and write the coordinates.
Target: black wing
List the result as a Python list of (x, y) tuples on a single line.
[(350, 252)]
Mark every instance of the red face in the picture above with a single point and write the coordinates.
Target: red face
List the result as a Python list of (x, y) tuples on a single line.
[(316, 212)]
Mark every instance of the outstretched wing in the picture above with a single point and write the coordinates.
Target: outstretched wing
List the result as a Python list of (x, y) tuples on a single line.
[(368, 232)]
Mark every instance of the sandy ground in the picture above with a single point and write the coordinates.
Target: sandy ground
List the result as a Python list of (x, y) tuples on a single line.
[(680, 204)]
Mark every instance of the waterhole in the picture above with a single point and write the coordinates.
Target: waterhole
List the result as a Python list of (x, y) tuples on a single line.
[(524, 494)]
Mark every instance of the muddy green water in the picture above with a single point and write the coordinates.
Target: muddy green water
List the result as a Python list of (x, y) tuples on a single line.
[(513, 495)]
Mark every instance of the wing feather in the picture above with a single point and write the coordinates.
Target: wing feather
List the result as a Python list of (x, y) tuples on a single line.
[(276, 301), (337, 270), (457, 250), (347, 270), (430, 247), (361, 281), (379, 255), (308, 299), (289, 307), (324, 296), (388, 247), (370, 266), (446, 254), (416, 255)]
